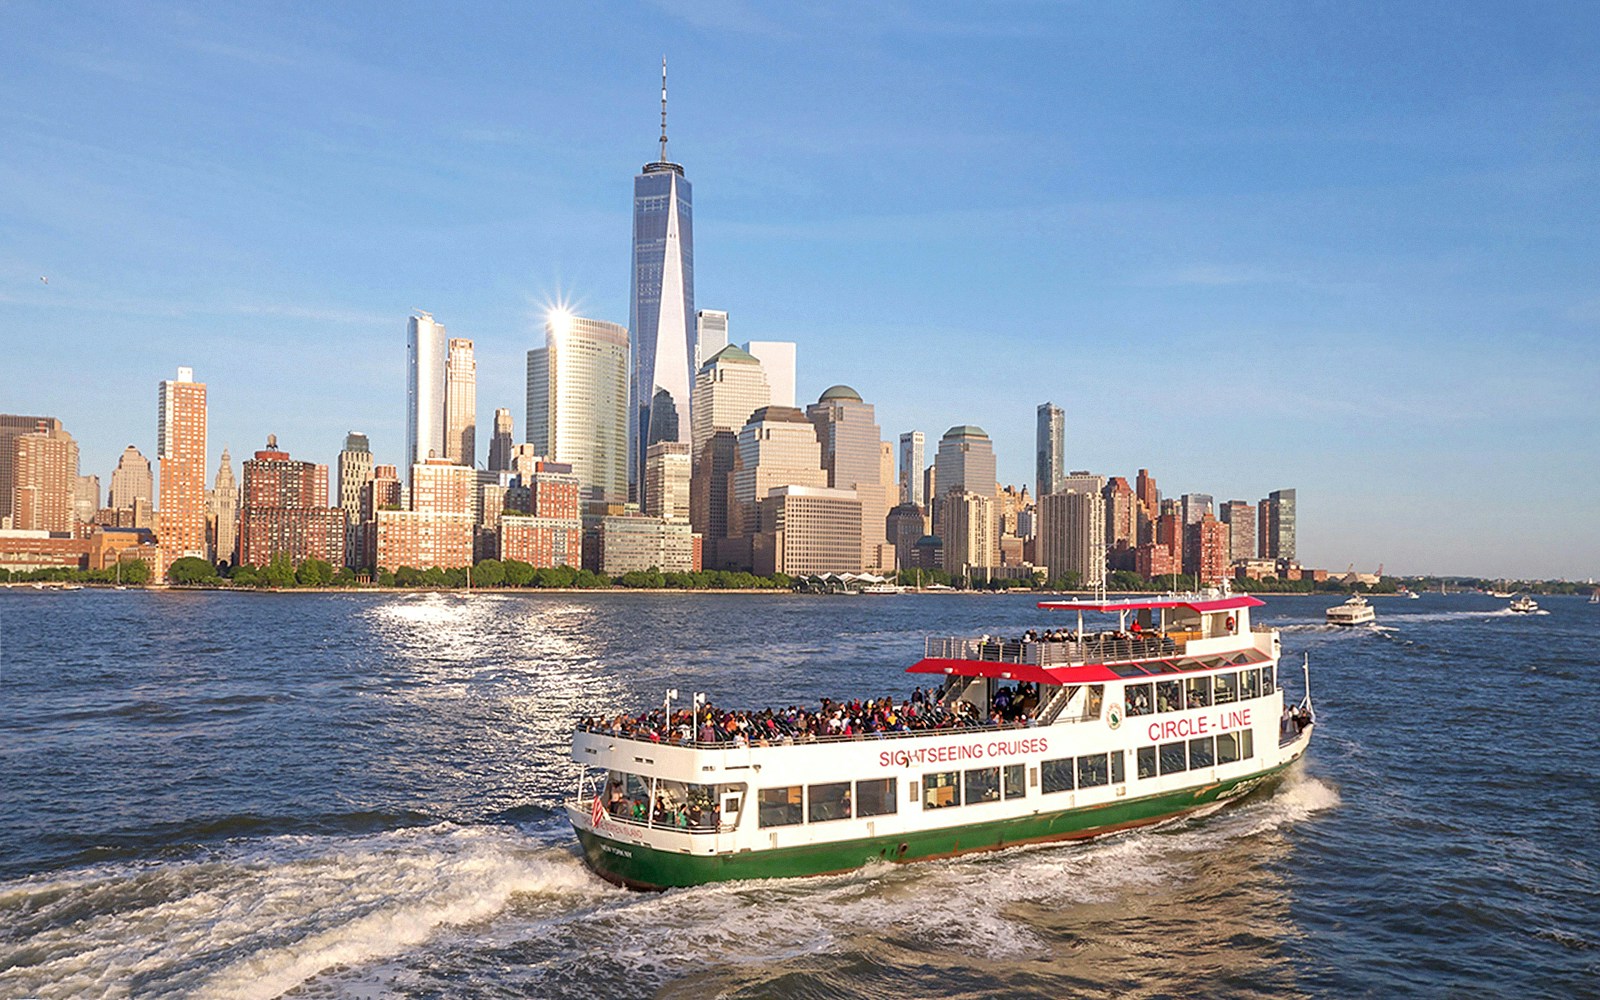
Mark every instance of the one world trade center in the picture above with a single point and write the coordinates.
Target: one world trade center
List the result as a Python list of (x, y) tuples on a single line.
[(663, 306)]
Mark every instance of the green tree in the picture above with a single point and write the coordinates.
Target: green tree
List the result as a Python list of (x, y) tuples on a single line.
[(517, 572), (345, 577), (408, 576), (386, 578), (279, 572), (489, 573), (433, 576), (314, 572), (191, 570)]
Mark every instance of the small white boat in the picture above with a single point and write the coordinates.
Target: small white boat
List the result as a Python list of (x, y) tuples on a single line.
[(882, 588), (1407, 593), (1524, 605), (1502, 594), (1355, 611)]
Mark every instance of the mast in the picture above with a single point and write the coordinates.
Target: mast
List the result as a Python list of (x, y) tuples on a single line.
[(663, 109)]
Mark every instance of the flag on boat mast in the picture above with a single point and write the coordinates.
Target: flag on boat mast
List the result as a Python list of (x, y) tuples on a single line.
[(597, 812)]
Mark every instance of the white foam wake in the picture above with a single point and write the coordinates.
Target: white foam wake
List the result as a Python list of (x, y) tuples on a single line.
[(263, 917)]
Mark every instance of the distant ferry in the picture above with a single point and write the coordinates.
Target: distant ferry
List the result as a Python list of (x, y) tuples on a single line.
[(1355, 611), (1045, 736), (1408, 593), (1524, 605)]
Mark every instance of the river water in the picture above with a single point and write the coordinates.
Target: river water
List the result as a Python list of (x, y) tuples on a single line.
[(357, 795)]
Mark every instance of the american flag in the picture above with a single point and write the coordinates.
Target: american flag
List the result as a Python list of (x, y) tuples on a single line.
[(597, 812)]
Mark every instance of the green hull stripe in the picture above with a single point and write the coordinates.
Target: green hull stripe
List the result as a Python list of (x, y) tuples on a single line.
[(641, 867)]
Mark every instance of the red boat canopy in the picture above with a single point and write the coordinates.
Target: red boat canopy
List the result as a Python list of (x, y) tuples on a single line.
[(1030, 673), (1084, 673), (1199, 604)]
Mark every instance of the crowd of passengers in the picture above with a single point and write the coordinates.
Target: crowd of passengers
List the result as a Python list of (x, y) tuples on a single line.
[(1134, 632), (1013, 705), (694, 814)]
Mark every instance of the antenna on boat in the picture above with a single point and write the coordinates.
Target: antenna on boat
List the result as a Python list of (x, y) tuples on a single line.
[(1305, 667)]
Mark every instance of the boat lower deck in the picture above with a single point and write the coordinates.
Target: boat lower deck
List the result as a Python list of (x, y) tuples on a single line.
[(639, 866)]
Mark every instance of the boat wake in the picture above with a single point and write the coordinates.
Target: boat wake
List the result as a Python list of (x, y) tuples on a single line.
[(259, 918), (335, 915)]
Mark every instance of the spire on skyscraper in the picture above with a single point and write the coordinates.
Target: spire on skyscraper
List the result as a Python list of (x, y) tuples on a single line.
[(663, 109)]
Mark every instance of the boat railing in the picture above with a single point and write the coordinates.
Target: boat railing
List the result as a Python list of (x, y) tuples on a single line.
[(790, 739), (1053, 652)]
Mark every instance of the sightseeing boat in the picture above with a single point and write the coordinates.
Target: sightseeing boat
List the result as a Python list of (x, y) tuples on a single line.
[(1051, 736), (1524, 605), (1355, 611)]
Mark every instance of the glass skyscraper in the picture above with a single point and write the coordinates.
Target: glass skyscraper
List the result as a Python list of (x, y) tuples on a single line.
[(1050, 463), (663, 306)]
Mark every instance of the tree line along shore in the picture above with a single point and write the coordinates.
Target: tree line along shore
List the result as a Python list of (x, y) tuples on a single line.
[(495, 574)]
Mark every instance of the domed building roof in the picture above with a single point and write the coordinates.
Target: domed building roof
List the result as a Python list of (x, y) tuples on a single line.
[(966, 430), (839, 392)]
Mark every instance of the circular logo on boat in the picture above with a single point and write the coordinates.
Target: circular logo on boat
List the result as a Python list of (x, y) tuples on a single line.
[(1114, 715)]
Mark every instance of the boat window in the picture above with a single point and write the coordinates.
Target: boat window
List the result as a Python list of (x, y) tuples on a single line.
[(1015, 780), (1227, 748), (1126, 670), (1250, 683), (1138, 698), (1092, 770), (1147, 762), (1169, 696), (628, 797), (983, 785), (684, 805), (779, 806), (1267, 680), (1201, 753), (1247, 744), (828, 802), (1174, 757), (940, 789), (875, 797), (1118, 772), (1199, 692), (1097, 694), (1057, 775), (1226, 688)]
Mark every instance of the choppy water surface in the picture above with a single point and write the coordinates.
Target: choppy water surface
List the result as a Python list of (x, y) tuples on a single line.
[(357, 796)]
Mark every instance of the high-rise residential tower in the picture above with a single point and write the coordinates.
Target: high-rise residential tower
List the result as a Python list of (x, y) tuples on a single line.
[(578, 402), (426, 352), (503, 441), (1196, 506), (283, 510), (131, 480), (11, 425), (662, 304), (1240, 518), (1051, 450), (181, 450), (1277, 520), (45, 479), (355, 471), (460, 403), (912, 446)]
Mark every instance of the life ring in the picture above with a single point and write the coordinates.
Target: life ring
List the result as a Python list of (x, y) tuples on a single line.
[(1231, 623)]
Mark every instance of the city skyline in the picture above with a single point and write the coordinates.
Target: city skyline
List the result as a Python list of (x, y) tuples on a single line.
[(1377, 377)]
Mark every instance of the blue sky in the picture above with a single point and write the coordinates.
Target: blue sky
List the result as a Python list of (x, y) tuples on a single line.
[(1346, 248)]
